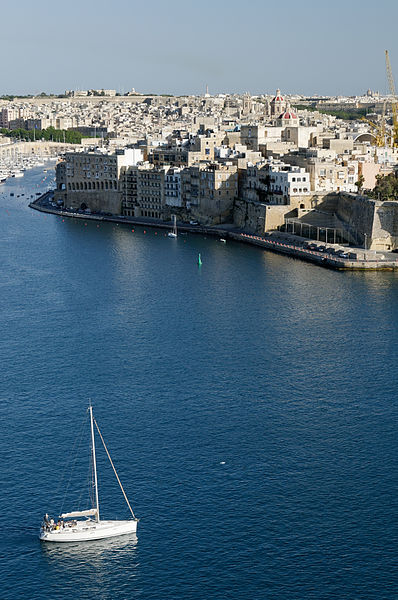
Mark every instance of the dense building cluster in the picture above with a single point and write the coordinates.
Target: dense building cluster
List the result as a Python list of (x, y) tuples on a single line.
[(248, 160)]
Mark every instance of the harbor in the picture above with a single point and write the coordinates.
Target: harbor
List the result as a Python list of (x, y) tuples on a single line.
[(331, 256), (245, 382), (16, 157)]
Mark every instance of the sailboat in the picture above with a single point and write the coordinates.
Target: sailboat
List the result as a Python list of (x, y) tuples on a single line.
[(74, 529), (173, 234)]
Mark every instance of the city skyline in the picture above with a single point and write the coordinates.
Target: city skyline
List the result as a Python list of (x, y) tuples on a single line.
[(176, 48)]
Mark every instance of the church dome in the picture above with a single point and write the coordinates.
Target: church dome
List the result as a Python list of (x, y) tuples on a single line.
[(288, 114)]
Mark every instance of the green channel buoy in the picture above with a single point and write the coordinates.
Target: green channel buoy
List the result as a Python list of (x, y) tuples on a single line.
[(199, 260)]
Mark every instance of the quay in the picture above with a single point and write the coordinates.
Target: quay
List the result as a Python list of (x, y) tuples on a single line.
[(357, 259), (354, 259)]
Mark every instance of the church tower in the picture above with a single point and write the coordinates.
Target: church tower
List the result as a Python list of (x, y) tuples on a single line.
[(278, 104)]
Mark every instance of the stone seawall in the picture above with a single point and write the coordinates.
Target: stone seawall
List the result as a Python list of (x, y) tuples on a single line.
[(281, 243), (294, 249)]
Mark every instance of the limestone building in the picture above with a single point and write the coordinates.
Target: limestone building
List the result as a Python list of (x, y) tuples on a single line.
[(90, 180)]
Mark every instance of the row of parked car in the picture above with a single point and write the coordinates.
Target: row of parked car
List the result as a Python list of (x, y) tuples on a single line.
[(334, 250)]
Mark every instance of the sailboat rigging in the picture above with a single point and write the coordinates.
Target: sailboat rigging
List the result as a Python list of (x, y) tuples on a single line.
[(89, 529), (173, 234)]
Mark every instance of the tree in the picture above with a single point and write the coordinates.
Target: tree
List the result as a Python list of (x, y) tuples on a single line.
[(386, 187), (360, 182)]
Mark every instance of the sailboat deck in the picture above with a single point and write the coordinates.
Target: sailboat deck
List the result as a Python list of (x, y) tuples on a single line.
[(88, 530)]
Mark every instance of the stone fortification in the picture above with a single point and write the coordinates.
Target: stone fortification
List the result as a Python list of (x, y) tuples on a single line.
[(258, 217), (366, 222), (356, 215), (385, 226)]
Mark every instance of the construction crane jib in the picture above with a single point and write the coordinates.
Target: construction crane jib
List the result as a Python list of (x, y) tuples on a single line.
[(394, 104)]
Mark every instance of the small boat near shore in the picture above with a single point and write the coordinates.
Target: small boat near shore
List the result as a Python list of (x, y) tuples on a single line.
[(70, 526)]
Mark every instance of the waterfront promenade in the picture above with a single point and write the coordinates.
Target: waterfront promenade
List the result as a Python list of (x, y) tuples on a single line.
[(357, 259)]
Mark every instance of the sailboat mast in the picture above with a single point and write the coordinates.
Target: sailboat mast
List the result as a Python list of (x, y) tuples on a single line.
[(94, 464)]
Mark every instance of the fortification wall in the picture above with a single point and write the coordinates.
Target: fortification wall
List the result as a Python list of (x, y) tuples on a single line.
[(385, 226), (96, 201), (370, 221)]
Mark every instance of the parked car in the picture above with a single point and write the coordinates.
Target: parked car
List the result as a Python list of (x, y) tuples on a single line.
[(342, 253)]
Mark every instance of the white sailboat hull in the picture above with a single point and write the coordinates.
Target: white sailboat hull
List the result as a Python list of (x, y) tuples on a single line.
[(85, 531)]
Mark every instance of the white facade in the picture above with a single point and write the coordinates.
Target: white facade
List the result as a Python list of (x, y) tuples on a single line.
[(128, 157), (289, 180), (172, 187)]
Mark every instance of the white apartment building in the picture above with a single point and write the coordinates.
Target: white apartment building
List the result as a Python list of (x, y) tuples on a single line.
[(172, 187), (287, 182)]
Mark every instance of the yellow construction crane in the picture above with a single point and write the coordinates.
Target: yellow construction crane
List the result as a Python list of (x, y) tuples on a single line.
[(379, 129), (394, 104)]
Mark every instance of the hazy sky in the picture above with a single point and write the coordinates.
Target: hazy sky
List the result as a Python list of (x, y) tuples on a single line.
[(179, 46)]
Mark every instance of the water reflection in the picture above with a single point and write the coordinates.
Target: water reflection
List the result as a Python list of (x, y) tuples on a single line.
[(92, 553), (66, 563)]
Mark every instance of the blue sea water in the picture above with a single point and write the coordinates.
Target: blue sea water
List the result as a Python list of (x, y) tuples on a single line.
[(250, 407)]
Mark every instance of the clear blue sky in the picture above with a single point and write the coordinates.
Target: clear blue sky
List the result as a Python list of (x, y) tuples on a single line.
[(179, 46)]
